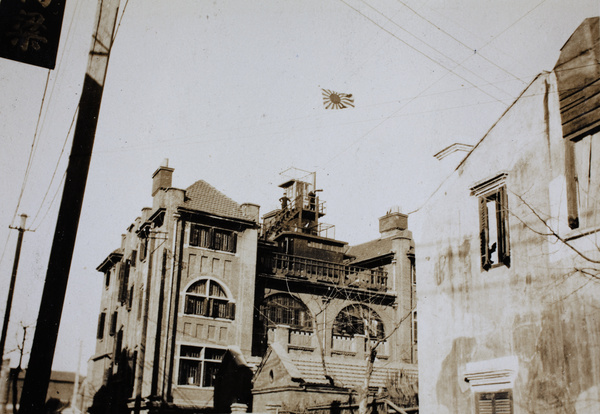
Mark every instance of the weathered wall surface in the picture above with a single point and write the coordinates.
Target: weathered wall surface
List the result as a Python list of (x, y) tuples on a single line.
[(539, 312)]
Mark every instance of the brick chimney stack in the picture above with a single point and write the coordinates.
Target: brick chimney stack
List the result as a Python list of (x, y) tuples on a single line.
[(393, 221), (162, 177)]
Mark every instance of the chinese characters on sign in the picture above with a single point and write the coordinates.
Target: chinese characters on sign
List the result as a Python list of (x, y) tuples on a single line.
[(30, 30)]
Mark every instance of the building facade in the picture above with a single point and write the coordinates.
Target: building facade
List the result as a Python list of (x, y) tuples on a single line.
[(507, 253), (175, 297), (198, 276)]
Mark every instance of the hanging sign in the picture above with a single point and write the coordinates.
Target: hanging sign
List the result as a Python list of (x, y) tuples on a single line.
[(30, 30)]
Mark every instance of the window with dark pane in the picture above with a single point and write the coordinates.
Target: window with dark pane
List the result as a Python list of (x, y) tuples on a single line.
[(213, 238), (493, 229), (206, 297), (358, 320), (199, 365), (282, 309)]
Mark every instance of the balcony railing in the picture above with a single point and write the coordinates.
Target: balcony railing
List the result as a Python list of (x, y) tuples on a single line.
[(292, 338), (352, 345), (284, 265)]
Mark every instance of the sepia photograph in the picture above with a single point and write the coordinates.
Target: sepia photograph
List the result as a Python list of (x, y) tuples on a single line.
[(300, 207)]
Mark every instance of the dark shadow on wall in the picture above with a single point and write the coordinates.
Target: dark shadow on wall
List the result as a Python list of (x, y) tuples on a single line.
[(112, 397), (448, 387)]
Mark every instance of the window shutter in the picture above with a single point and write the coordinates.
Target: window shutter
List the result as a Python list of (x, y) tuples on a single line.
[(234, 242), (208, 308), (231, 310), (503, 236), (484, 233), (485, 405), (494, 403), (101, 321), (193, 235)]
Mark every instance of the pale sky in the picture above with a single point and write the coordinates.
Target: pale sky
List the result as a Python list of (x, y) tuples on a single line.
[(230, 92)]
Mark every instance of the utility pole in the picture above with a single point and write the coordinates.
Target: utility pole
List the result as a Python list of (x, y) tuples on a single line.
[(11, 289), (76, 385), (35, 387), (13, 279)]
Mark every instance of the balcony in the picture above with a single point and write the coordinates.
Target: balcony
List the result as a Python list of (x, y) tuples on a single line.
[(287, 266)]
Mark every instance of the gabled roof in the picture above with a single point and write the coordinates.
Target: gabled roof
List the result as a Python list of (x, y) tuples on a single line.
[(346, 373), (204, 197), (370, 250)]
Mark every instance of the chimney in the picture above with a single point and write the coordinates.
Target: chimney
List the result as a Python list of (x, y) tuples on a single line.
[(251, 211), (393, 221), (162, 177)]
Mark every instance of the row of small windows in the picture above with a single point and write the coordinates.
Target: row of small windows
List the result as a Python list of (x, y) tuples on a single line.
[(102, 322), (213, 238), (200, 236)]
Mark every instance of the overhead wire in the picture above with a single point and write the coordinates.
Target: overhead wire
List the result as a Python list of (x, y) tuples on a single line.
[(458, 65), (511, 25), (43, 113), (347, 147), (31, 151), (449, 70), (55, 169), (460, 42)]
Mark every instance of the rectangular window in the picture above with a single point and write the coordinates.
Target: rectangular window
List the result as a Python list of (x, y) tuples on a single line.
[(414, 327), (133, 258), (583, 181), (124, 281), (212, 238), (107, 278), (198, 365), (101, 322), (494, 402), (130, 298), (143, 248), (113, 324), (493, 228), (140, 302)]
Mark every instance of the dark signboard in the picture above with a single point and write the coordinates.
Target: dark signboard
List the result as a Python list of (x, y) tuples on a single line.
[(30, 30)]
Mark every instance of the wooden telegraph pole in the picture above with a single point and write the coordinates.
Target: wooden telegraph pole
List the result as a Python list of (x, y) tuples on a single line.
[(11, 289), (33, 396)]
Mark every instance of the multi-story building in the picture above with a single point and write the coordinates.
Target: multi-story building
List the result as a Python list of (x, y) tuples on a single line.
[(175, 296), (508, 255), (326, 304), (198, 276)]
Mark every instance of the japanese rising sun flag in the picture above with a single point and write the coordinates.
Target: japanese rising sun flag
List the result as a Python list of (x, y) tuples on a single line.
[(335, 100)]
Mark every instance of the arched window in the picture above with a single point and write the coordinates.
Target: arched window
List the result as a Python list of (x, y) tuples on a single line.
[(284, 309), (208, 298), (358, 320)]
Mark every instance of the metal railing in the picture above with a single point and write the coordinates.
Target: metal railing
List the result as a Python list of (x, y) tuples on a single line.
[(284, 265)]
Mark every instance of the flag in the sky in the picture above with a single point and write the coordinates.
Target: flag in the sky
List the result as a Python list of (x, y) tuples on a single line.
[(335, 100)]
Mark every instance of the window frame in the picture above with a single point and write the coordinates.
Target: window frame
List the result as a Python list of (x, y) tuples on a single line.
[(208, 305), (577, 215), (113, 323), (101, 326), (213, 238), (493, 191), (347, 323), (284, 309), (201, 361)]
